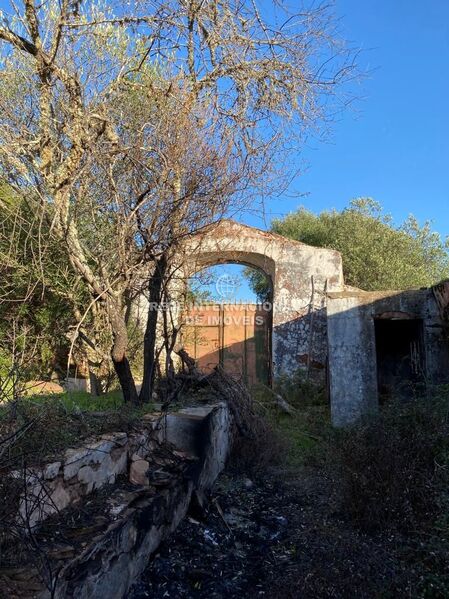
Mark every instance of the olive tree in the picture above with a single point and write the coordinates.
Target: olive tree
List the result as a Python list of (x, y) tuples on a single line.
[(137, 125), (377, 254)]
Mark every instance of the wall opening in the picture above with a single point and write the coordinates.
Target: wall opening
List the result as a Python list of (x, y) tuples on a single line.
[(400, 357), (228, 321)]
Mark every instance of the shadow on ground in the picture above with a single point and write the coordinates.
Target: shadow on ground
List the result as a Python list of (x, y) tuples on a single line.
[(276, 539)]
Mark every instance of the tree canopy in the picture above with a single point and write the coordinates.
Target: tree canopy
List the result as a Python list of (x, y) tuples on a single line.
[(376, 253), (136, 124)]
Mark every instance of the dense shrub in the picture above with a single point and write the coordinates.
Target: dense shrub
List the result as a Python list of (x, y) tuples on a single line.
[(394, 467)]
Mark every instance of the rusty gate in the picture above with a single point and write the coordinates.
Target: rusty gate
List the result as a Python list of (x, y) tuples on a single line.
[(236, 336)]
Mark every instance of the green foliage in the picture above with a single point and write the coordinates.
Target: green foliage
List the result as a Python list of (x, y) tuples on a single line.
[(259, 283), (6, 382), (299, 391), (39, 290), (5, 364), (197, 296), (377, 255), (81, 401), (394, 468), (302, 431)]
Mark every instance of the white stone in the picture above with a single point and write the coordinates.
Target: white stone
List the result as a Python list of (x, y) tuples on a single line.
[(51, 471), (94, 453)]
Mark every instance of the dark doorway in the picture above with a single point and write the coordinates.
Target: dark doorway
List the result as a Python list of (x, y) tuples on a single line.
[(400, 357)]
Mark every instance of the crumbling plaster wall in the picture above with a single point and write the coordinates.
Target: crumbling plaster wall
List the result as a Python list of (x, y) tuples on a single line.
[(301, 276), (352, 345)]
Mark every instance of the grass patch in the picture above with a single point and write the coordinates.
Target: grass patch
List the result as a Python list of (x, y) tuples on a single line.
[(76, 401), (304, 431), (50, 424)]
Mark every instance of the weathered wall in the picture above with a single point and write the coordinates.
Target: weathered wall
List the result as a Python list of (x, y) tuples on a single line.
[(352, 347), (99, 462), (352, 359), (300, 274), (314, 316), (80, 471), (113, 561), (102, 557)]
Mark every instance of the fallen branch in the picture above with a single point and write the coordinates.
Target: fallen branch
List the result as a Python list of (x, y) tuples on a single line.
[(220, 513), (281, 403)]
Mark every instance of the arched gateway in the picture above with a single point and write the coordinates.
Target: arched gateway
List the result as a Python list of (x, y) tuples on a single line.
[(301, 277), (363, 339)]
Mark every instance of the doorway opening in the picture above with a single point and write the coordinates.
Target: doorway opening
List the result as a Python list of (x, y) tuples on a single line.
[(228, 321), (400, 357)]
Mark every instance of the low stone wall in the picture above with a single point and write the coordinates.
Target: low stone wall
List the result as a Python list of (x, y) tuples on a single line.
[(80, 471), (204, 432), (137, 516), (111, 564)]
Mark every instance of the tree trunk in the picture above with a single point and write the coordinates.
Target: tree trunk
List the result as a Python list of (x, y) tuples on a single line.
[(155, 287), (118, 354), (126, 379), (95, 385)]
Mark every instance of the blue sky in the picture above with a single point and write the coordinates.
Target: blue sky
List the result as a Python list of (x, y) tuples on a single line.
[(394, 144)]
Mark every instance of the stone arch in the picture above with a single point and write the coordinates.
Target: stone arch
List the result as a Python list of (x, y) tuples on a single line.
[(301, 276), (255, 259), (252, 259)]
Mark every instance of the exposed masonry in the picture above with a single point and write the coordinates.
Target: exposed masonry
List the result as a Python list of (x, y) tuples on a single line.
[(80, 471), (301, 276), (133, 518), (100, 461), (353, 359), (318, 323), (317, 320)]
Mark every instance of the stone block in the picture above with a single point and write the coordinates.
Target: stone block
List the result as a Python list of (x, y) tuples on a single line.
[(138, 472), (51, 471)]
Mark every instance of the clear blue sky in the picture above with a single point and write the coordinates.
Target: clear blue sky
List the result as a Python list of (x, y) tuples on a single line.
[(395, 146)]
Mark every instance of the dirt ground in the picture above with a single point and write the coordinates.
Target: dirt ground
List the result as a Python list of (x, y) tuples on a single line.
[(278, 539)]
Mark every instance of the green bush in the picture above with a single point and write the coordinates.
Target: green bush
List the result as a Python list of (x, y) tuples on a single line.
[(394, 467), (6, 382)]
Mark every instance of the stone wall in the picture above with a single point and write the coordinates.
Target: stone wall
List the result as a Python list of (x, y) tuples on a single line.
[(156, 471), (301, 275), (100, 461), (352, 345), (80, 471), (113, 561)]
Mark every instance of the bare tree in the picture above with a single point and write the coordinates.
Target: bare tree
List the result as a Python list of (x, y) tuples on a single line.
[(140, 126)]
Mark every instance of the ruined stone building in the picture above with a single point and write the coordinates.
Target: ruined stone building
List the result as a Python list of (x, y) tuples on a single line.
[(383, 345), (364, 346)]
